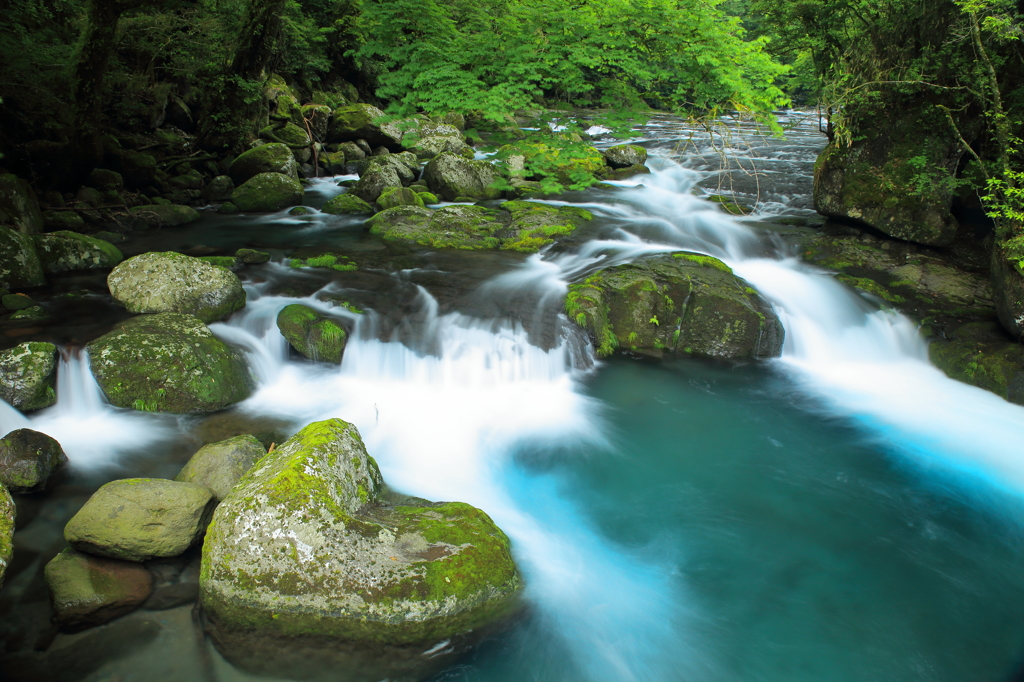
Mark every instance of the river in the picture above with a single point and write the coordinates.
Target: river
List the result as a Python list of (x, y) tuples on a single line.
[(841, 514)]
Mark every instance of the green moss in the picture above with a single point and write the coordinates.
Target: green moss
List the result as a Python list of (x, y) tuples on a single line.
[(701, 259), (311, 334), (325, 260), (872, 287), (229, 262)]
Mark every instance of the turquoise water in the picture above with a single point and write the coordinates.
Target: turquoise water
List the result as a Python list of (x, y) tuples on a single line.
[(794, 547)]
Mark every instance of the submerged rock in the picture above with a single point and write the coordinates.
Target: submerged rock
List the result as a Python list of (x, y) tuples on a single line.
[(88, 591), (137, 519), (304, 555), (168, 362), (158, 282), (267, 158), (28, 459), (450, 176), (19, 262), (680, 302), (28, 375), (311, 334), (219, 466), (515, 226), (267, 192), (64, 251), (7, 513)]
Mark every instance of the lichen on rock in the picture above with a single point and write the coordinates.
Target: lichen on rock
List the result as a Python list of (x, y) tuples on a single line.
[(28, 459), (28, 375), (19, 262), (450, 176), (64, 251)]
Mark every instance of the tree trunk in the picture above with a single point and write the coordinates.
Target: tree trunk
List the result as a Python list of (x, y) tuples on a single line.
[(95, 48)]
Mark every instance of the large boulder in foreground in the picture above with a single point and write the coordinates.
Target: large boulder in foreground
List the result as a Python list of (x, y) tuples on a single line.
[(28, 375), (315, 336), (514, 226), (19, 263), (138, 519), (63, 251), (88, 591), (28, 459), (450, 177), (7, 513), (267, 158), (169, 362), (304, 554), (680, 302), (219, 466), (169, 282), (267, 192)]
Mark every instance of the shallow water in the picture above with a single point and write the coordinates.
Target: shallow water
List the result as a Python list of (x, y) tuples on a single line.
[(843, 513)]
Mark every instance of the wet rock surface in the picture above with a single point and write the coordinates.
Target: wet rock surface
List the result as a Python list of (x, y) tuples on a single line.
[(28, 375), (89, 590), (28, 459), (219, 466)]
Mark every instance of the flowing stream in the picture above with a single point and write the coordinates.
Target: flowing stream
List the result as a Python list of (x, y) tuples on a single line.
[(843, 513)]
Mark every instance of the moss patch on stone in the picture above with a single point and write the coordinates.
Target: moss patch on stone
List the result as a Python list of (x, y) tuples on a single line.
[(64, 251), (311, 334), (28, 375)]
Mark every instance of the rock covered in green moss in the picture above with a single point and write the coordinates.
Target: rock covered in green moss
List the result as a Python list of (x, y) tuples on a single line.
[(375, 181), (304, 548), (63, 220), (88, 591), (267, 158), (398, 196), (219, 466), (7, 514), (1008, 293), (267, 192), (346, 203), (434, 145), (680, 302), (219, 188), (252, 257), (36, 312), (64, 251), (159, 282), (28, 375), (404, 164), (450, 176), (311, 334), (515, 226), (18, 205), (28, 459), (17, 301), (359, 122), (163, 215), (625, 155), (288, 134), (169, 362), (980, 354), (138, 519), (19, 263)]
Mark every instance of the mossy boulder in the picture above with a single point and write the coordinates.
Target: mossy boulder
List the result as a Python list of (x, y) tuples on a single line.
[(358, 122), (88, 591), (569, 164), (305, 549), (346, 203), (19, 206), (311, 334), (17, 301), (1008, 292), (318, 116), (252, 257), (288, 134), (28, 374), (106, 180), (449, 176), (267, 192), (980, 354), (219, 466), (169, 362), (7, 515), (675, 303), (162, 282), (896, 175), (434, 145), (625, 155), (374, 181), (28, 459), (64, 251), (267, 158), (163, 215), (515, 226), (404, 163), (219, 188), (138, 519), (335, 163), (63, 220), (19, 262), (398, 196)]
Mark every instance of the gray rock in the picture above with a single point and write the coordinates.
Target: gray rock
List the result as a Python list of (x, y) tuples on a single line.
[(158, 282), (19, 262), (219, 466), (303, 548), (28, 375), (624, 155), (66, 251), (28, 459), (450, 176), (267, 158), (137, 519), (169, 362), (88, 591), (374, 181), (18, 205), (429, 147)]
